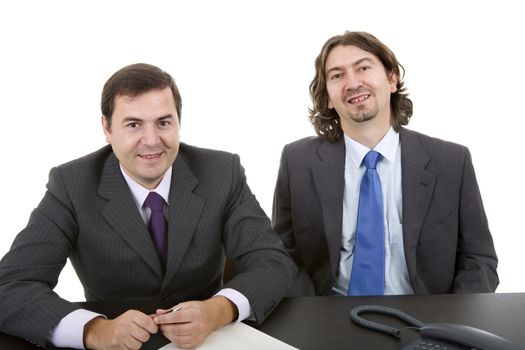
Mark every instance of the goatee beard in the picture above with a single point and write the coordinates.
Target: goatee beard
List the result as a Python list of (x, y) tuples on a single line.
[(363, 116)]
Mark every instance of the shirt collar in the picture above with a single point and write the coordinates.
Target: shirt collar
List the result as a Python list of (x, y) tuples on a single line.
[(140, 192), (355, 152)]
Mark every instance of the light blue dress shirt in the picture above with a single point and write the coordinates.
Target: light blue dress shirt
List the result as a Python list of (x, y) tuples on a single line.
[(389, 169)]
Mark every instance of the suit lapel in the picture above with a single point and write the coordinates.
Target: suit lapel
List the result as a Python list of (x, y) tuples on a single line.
[(122, 214), (418, 186), (185, 210), (328, 177)]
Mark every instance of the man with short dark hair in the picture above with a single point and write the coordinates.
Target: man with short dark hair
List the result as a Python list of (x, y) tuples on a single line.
[(369, 207), (144, 218)]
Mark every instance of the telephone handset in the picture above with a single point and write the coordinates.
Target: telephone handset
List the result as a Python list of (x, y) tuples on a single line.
[(434, 336)]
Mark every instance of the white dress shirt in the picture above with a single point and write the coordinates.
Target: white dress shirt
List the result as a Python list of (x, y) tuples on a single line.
[(389, 169), (70, 330)]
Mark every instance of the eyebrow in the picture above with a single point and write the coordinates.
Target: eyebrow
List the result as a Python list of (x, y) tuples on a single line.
[(137, 119), (364, 59), (354, 64)]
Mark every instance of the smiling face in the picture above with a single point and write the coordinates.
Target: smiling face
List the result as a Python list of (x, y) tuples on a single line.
[(358, 86), (144, 134)]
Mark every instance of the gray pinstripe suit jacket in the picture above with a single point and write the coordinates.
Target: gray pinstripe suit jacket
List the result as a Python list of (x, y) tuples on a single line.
[(447, 242), (88, 214)]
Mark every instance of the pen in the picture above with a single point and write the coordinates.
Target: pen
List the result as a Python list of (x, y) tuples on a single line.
[(171, 309)]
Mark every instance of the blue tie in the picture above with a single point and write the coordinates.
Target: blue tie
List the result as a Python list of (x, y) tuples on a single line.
[(368, 267)]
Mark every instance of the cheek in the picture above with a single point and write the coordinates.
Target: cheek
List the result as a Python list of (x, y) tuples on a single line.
[(124, 146), (171, 140), (175, 136)]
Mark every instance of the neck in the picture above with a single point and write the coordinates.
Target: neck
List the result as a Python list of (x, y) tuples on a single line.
[(367, 133)]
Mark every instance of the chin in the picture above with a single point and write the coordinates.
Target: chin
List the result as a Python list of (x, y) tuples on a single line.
[(363, 118), (150, 176)]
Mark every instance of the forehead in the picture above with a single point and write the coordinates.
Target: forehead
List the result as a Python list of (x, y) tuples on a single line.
[(343, 56), (149, 106), (152, 99)]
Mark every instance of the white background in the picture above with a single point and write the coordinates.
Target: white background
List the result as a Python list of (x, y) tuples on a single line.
[(243, 69)]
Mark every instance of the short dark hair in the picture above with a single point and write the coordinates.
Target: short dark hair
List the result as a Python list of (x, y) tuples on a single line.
[(134, 80), (325, 120)]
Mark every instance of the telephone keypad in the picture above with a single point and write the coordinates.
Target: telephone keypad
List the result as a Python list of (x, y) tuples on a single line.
[(429, 346), (432, 344)]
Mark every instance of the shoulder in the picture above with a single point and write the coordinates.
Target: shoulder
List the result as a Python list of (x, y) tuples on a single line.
[(432, 145), (217, 172), (311, 149), (311, 143), (440, 156), (79, 177), (193, 154), (93, 162), (208, 161)]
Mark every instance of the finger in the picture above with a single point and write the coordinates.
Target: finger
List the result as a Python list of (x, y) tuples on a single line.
[(131, 343), (180, 339), (187, 345), (145, 322), (165, 311), (140, 334), (132, 330), (187, 342), (180, 316), (179, 329)]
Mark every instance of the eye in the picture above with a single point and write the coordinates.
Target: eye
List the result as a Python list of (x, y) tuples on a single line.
[(364, 68), (336, 76), (132, 125), (164, 123)]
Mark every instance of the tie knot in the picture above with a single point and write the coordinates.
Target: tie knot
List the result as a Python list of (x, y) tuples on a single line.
[(371, 159), (154, 201)]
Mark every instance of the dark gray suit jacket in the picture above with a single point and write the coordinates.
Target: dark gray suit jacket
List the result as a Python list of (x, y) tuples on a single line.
[(447, 242), (89, 215)]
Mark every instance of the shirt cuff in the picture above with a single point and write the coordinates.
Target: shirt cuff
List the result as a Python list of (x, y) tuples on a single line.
[(69, 332), (242, 303)]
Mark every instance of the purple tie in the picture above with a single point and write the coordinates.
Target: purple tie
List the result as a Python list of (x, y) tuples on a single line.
[(157, 224)]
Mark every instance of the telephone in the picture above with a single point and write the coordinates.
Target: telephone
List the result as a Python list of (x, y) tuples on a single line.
[(434, 336)]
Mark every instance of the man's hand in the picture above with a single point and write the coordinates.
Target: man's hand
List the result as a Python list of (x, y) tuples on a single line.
[(128, 331), (191, 324)]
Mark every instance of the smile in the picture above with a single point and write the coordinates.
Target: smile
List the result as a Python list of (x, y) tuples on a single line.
[(150, 156), (359, 99)]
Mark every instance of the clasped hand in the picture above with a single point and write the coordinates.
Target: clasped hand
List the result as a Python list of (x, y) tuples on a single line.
[(187, 327)]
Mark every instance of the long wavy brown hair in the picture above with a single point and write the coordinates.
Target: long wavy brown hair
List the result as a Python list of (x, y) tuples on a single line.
[(325, 120)]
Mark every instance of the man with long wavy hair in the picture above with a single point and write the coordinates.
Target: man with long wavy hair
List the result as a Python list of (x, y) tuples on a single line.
[(434, 232)]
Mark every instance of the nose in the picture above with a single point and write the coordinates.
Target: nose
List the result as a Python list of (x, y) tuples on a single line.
[(352, 81), (150, 136)]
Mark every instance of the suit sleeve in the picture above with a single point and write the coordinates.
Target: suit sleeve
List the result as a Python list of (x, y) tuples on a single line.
[(476, 260), (282, 220), (30, 270), (263, 269)]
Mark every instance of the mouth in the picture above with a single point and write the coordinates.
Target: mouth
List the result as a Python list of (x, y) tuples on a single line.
[(150, 156), (358, 99)]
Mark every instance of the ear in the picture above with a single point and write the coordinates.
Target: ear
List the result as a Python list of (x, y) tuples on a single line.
[(393, 82), (106, 128), (330, 104)]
